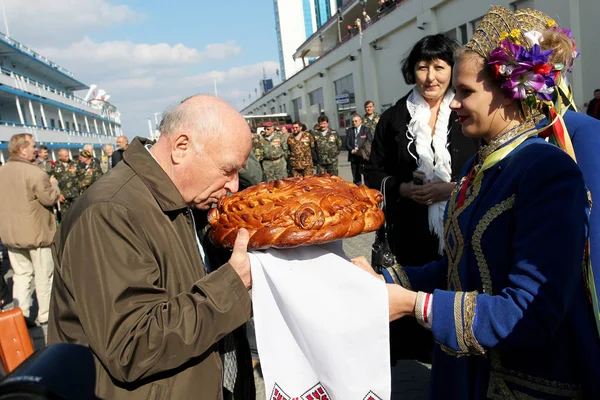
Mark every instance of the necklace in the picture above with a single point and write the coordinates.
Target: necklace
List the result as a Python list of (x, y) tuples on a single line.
[(486, 150)]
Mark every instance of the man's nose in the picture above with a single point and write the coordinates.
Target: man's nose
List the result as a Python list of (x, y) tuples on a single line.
[(233, 185)]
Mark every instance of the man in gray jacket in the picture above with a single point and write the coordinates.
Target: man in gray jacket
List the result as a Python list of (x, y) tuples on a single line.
[(27, 224)]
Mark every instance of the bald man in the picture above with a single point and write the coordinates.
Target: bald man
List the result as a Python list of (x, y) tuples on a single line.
[(122, 144), (132, 281)]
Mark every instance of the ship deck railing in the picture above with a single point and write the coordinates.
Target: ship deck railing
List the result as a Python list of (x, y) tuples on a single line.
[(41, 127), (47, 87), (35, 55), (25, 79)]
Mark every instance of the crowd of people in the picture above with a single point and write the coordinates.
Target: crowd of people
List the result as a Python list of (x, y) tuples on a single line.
[(29, 226), (488, 172), (304, 152)]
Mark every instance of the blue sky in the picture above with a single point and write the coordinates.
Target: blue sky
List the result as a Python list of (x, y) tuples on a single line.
[(150, 54)]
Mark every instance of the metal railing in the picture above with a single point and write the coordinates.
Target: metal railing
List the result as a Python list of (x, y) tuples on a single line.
[(41, 127), (35, 55), (36, 83), (25, 79)]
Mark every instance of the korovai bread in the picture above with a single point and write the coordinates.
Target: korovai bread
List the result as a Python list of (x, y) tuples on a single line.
[(296, 211)]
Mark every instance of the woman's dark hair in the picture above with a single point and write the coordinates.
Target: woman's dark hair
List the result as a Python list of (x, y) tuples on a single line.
[(432, 47)]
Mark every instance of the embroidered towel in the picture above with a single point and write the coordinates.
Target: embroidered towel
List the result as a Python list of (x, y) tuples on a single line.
[(321, 325)]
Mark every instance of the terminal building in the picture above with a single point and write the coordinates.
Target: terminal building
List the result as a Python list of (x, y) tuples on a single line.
[(336, 69)]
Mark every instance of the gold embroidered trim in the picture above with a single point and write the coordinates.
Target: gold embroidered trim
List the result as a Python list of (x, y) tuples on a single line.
[(420, 308), (470, 309), (541, 385), (453, 233), (451, 352), (458, 321), (485, 150), (400, 276), (498, 389), (482, 226)]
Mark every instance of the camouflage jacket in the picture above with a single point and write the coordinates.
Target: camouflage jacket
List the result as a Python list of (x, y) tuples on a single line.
[(371, 124), (68, 175), (257, 147), (328, 146), (275, 148), (89, 175), (301, 150)]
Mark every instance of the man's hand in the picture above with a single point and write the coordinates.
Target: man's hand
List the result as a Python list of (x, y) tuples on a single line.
[(61, 199), (239, 258), (53, 179)]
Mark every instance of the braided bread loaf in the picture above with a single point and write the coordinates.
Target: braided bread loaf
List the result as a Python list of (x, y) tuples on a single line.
[(296, 211)]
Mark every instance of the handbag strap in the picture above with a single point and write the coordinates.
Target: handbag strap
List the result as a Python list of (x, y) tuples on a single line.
[(384, 203)]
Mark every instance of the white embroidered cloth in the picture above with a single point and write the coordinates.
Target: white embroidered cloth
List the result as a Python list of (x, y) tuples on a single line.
[(321, 325)]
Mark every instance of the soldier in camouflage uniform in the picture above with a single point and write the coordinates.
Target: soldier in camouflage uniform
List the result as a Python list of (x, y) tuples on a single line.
[(274, 153), (89, 173), (95, 163), (371, 118), (256, 146), (301, 145), (328, 145), (67, 174)]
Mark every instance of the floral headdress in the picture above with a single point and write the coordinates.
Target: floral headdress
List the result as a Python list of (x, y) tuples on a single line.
[(510, 42)]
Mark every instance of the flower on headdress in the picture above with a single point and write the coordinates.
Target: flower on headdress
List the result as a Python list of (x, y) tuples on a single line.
[(551, 23), (525, 74), (503, 35), (534, 37)]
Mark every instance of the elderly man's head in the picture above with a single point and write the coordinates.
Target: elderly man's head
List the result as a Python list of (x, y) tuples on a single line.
[(22, 145), (89, 147), (109, 149), (63, 155), (203, 144), (122, 142)]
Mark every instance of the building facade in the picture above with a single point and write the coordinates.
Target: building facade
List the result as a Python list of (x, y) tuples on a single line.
[(367, 67)]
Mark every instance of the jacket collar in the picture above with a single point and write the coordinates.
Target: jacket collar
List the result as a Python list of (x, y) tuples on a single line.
[(139, 159), (19, 159)]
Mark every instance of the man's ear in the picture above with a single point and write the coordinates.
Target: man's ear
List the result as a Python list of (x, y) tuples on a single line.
[(180, 147)]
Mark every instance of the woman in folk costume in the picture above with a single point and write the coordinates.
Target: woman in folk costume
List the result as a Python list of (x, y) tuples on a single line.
[(576, 133), (419, 133), (510, 305)]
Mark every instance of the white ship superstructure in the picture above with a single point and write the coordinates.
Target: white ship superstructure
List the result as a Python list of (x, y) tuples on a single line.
[(37, 96)]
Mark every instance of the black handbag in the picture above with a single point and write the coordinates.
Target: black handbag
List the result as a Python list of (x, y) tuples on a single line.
[(381, 252)]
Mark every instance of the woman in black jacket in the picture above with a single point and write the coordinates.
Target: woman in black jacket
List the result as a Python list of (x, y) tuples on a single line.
[(419, 136)]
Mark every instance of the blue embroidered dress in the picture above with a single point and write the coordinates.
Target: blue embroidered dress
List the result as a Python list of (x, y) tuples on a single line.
[(511, 314)]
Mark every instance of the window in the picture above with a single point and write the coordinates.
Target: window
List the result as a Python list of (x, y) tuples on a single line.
[(52, 123), (272, 110), (284, 109), (68, 125), (451, 34), (297, 106), (316, 97), (463, 34), (344, 99)]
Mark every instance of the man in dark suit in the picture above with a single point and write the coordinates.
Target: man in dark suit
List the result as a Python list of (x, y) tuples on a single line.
[(357, 138), (122, 143)]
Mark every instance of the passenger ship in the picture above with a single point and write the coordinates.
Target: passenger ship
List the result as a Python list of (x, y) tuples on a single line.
[(37, 96)]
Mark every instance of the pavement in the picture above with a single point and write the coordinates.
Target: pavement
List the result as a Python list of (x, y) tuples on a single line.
[(412, 376)]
